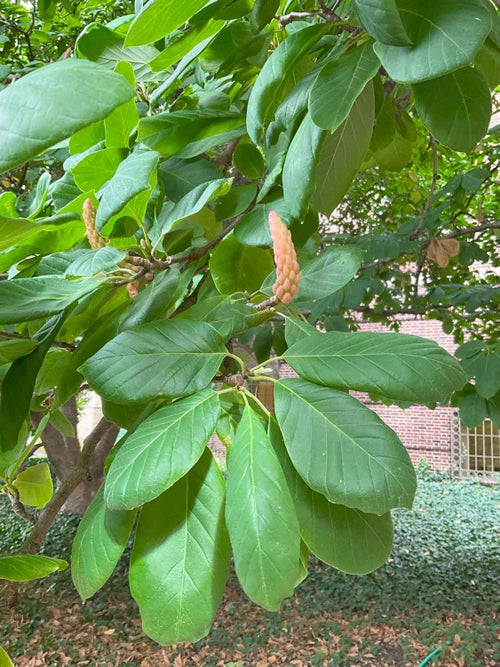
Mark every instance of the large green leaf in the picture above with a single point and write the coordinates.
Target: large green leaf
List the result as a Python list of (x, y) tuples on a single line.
[(272, 82), (14, 230), (166, 358), (342, 80), (228, 316), (97, 167), (154, 300), (34, 485), (26, 568), (105, 46), (161, 450), (400, 366), (132, 177), (18, 385), (100, 540), (172, 131), (102, 329), (92, 262), (239, 268), (343, 152), (328, 272), (180, 561), (13, 349), (456, 107), (159, 18), (300, 162), (260, 517), (346, 538), (182, 46), (342, 449), (445, 37), (191, 203), (381, 19), (63, 98), (27, 299), (482, 362)]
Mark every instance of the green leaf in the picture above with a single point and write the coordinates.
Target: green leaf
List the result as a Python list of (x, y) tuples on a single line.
[(165, 358), (180, 560), (16, 230), (229, 317), (132, 177), (381, 19), (191, 203), (347, 539), (296, 329), (92, 262), (106, 47), (121, 123), (13, 349), (154, 300), (473, 409), (100, 540), (18, 385), (239, 268), (179, 177), (159, 18), (343, 79), (5, 661), (260, 517), (64, 97), (187, 41), (342, 449), (26, 568), (101, 330), (27, 299), (445, 37), (300, 163), (263, 12), (96, 168), (172, 131), (35, 485), (343, 152), (161, 450), (253, 229), (483, 364), (399, 366), (248, 160), (487, 59), (271, 84), (456, 108), (328, 272)]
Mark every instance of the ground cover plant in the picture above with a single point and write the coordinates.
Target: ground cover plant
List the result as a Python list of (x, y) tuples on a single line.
[(166, 167), (437, 587)]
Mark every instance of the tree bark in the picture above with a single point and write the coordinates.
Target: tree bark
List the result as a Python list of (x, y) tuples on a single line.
[(63, 453)]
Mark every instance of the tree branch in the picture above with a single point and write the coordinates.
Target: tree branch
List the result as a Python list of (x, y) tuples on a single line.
[(79, 474), (473, 230), (432, 188)]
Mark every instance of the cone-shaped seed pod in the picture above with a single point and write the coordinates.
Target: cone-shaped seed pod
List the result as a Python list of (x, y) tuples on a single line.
[(285, 258)]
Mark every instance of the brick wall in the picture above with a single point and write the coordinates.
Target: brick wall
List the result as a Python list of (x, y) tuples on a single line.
[(427, 434)]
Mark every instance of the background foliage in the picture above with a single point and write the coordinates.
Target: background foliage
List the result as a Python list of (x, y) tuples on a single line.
[(143, 149)]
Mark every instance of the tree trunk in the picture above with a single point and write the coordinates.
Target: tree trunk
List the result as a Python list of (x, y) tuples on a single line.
[(63, 453)]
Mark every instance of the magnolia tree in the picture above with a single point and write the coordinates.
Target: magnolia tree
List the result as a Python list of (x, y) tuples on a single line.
[(183, 157)]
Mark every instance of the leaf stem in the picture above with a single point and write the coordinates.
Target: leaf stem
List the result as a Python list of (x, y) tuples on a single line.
[(261, 405)]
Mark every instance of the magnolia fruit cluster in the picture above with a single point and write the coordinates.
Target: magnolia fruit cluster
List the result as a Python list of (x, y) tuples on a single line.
[(88, 215), (285, 258)]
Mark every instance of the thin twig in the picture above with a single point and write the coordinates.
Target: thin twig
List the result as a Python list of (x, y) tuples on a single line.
[(268, 303), (432, 188)]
